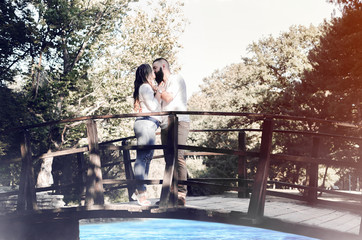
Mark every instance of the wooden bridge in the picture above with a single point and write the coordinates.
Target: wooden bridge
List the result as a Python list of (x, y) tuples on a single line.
[(318, 212)]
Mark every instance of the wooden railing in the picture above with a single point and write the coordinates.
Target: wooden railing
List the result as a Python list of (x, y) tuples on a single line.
[(94, 191)]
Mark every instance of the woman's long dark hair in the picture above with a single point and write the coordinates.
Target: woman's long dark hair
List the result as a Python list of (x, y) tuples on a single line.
[(142, 73)]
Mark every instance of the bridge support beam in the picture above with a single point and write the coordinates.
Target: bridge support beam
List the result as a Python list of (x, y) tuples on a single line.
[(81, 177), (312, 173), (94, 191), (27, 195), (257, 200), (242, 174)]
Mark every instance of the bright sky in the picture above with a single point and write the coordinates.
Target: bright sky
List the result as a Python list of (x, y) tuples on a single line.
[(220, 30)]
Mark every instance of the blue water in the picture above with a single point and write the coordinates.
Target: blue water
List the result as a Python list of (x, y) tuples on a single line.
[(152, 229)]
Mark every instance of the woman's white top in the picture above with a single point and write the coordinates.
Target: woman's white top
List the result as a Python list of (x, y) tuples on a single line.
[(148, 102)]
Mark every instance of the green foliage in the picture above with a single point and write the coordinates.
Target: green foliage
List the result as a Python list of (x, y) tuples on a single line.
[(332, 89), (147, 32), (263, 83), (12, 110), (279, 64), (346, 5), (10, 174), (311, 72), (78, 58), (337, 69), (15, 37)]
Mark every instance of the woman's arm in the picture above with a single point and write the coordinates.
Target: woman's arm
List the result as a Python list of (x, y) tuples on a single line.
[(150, 99)]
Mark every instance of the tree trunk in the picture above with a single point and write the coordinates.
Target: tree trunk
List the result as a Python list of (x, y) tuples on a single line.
[(45, 178)]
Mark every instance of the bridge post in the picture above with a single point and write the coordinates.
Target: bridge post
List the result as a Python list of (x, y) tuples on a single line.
[(81, 177), (242, 174), (257, 200), (312, 172), (27, 195), (169, 185), (94, 185), (128, 169)]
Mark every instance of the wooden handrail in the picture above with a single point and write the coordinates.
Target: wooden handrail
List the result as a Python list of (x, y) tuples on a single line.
[(319, 160), (255, 116), (94, 183), (213, 150), (191, 180)]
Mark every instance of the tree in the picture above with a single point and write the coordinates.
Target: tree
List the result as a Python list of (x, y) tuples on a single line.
[(83, 58), (336, 73), (347, 5), (332, 88), (64, 34), (279, 63), (146, 33), (13, 112), (263, 83), (15, 37), (109, 83)]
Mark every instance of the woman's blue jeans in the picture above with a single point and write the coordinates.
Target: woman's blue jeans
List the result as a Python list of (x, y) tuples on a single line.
[(145, 131)]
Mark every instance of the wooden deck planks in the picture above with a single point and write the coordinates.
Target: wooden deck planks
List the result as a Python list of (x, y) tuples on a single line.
[(291, 211), (282, 211), (345, 222), (300, 214)]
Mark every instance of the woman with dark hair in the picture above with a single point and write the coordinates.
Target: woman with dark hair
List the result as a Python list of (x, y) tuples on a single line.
[(147, 98)]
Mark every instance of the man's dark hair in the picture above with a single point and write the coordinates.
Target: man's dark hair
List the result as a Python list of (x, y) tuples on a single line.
[(160, 59)]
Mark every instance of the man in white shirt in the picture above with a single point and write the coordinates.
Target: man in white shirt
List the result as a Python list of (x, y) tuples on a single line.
[(174, 98)]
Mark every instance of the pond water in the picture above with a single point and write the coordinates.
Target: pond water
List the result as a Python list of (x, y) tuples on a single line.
[(152, 229)]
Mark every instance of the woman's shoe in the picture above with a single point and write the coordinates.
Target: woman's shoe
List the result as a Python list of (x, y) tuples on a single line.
[(142, 199)]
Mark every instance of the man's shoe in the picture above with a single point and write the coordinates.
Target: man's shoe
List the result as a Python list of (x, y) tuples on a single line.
[(181, 201)]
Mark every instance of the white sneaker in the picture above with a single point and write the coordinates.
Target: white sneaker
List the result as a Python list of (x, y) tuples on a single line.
[(141, 198)]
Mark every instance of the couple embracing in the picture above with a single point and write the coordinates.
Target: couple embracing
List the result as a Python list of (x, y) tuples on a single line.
[(167, 94)]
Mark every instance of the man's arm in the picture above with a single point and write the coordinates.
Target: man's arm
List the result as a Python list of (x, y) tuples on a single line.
[(172, 90), (166, 96)]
